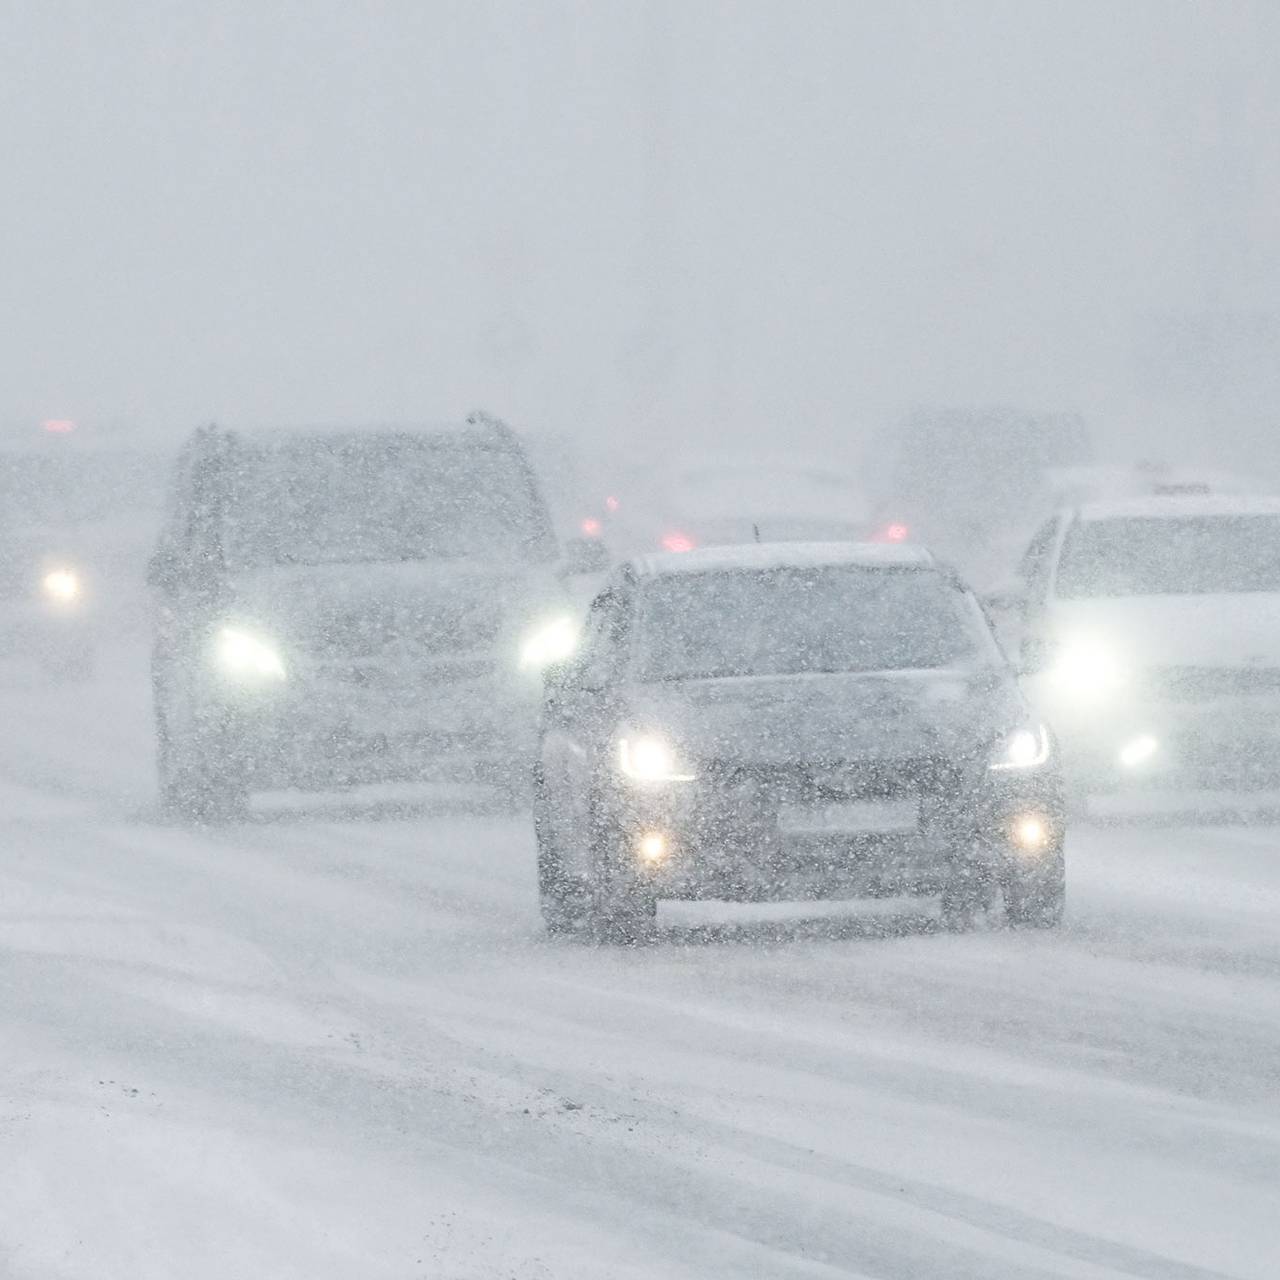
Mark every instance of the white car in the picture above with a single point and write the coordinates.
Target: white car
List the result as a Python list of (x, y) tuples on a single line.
[(1150, 639)]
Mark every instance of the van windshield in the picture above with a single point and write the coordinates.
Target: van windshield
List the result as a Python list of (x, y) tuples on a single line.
[(382, 498), (1189, 555)]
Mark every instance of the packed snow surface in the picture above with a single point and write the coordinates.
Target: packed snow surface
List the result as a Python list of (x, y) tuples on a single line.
[(333, 1041)]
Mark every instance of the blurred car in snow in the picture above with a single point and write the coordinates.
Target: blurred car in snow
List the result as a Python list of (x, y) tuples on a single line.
[(970, 483), (1150, 638), (791, 722), (77, 507), (339, 607)]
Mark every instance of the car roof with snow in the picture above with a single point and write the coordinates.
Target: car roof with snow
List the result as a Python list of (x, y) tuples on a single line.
[(476, 426), (1177, 507), (784, 555)]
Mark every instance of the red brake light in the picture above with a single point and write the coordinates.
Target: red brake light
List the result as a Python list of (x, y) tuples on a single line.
[(895, 533), (611, 503), (590, 526), (58, 426), (677, 542)]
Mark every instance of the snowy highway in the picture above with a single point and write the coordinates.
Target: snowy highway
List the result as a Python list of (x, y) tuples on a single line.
[(334, 1042)]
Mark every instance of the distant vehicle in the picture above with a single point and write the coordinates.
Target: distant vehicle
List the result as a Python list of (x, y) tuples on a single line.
[(76, 508), (791, 721), (969, 483), (1151, 639), (724, 502), (339, 607)]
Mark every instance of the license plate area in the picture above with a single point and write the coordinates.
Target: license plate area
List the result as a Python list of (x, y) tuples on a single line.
[(871, 817)]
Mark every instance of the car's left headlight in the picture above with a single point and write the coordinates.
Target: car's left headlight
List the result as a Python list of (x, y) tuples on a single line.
[(1022, 749), (549, 642), (647, 757), (61, 585), (242, 655)]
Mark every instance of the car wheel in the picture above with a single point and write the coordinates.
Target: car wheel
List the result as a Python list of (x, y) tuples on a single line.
[(562, 897), (1037, 900), (623, 907), (200, 778)]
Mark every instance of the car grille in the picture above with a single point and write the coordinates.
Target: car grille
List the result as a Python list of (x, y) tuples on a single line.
[(377, 629), (1204, 684), (838, 780)]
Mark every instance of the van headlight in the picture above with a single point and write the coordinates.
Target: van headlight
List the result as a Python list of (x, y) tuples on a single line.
[(244, 655), (1022, 749), (547, 643), (61, 586), (648, 757), (1086, 669)]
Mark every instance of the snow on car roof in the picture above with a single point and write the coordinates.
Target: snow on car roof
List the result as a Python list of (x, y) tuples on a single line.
[(784, 555), (1179, 506)]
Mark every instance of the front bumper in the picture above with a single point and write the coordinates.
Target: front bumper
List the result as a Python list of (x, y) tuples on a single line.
[(746, 834)]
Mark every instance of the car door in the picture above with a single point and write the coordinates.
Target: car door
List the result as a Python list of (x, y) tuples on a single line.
[(1035, 571)]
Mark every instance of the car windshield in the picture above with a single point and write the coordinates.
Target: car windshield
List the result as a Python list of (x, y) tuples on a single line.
[(344, 500), (1146, 556), (788, 621)]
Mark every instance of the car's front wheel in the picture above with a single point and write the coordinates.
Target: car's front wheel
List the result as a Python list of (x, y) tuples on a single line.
[(1037, 898), (563, 897)]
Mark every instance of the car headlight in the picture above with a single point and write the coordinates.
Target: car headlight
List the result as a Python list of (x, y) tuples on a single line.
[(649, 758), (1086, 669), (1022, 749), (550, 642), (61, 585), (244, 656)]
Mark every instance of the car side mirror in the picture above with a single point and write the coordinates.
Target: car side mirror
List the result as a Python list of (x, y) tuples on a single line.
[(1008, 600), (583, 556)]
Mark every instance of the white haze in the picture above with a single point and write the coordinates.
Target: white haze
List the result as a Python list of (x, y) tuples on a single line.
[(631, 221)]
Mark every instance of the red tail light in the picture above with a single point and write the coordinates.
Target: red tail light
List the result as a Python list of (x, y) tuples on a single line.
[(58, 426), (894, 533), (677, 542), (590, 526)]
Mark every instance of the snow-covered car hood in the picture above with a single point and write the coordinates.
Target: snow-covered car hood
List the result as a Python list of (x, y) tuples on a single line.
[(1200, 630), (442, 608), (789, 719)]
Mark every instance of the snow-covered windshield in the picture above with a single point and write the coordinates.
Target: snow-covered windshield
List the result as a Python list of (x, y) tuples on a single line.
[(788, 621), (344, 500), (1145, 556)]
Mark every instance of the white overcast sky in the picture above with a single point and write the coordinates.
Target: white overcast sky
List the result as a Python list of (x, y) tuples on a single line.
[(710, 216)]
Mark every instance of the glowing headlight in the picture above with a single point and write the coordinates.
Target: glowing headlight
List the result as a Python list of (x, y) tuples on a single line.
[(245, 656), (1023, 749), (1087, 670), (651, 759), (62, 585), (1137, 751), (552, 642)]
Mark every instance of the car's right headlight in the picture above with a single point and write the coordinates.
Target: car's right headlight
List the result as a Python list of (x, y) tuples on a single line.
[(244, 656), (61, 585), (1022, 749), (647, 757), (551, 642)]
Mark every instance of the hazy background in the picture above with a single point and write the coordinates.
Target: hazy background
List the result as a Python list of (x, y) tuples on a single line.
[(644, 220)]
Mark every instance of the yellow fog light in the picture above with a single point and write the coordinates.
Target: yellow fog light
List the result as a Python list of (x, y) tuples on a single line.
[(652, 847), (1030, 833)]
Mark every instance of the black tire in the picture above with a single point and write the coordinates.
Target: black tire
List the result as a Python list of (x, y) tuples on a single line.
[(1037, 900), (200, 776), (623, 906), (562, 898)]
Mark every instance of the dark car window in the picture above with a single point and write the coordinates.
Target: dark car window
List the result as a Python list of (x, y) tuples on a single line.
[(785, 621), (1190, 555), (383, 498)]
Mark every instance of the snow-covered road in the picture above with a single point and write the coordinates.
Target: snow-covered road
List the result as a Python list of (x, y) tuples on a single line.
[(334, 1042)]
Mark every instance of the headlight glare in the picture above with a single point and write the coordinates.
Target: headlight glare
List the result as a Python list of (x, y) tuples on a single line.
[(1022, 749), (244, 656), (62, 585), (550, 642), (1087, 669), (649, 758)]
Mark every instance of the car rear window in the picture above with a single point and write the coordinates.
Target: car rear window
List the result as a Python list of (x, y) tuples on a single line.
[(792, 620)]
